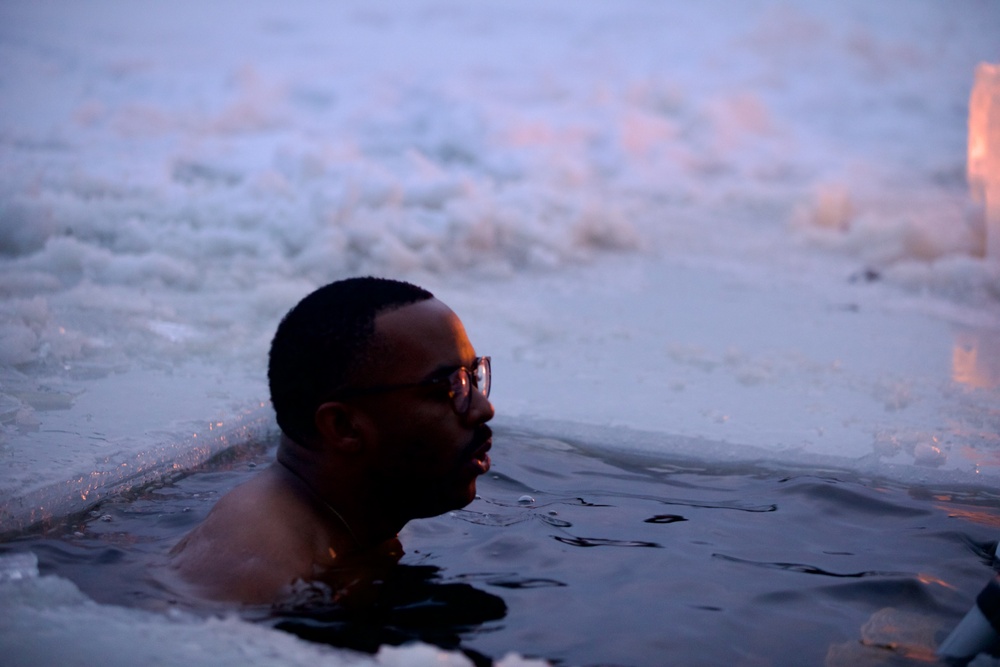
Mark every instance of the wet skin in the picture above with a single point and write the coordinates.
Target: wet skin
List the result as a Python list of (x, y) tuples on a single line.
[(329, 509)]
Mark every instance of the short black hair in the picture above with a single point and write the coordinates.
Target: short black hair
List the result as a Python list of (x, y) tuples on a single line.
[(323, 342)]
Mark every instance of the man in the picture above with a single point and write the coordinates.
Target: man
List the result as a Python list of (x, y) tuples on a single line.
[(383, 406)]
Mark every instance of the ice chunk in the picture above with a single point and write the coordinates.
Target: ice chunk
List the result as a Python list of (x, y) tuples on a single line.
[(47, 620), (17, 566), (984, 151)]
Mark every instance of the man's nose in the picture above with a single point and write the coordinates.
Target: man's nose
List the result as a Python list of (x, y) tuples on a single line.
[(480, 409)]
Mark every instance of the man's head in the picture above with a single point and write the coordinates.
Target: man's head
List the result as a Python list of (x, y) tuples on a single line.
[(380, 381), (325, 343)]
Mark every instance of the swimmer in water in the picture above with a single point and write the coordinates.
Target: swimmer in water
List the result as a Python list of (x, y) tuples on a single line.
[(383, 404)]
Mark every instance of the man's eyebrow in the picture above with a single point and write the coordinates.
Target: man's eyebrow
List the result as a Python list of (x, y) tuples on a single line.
[(444, 370)]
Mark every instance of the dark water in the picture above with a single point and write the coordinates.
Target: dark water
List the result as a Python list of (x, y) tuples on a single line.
[(587, 560)]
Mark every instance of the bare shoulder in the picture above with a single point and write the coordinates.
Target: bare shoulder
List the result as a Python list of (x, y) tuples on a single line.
[(258, 539)]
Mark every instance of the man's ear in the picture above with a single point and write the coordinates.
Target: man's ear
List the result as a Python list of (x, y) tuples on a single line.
[(339, 426)]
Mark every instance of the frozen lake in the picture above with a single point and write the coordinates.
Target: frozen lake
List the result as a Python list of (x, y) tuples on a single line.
[(729, 230)]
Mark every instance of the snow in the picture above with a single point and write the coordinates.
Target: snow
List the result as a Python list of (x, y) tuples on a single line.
[(721, 229), (57, 615)]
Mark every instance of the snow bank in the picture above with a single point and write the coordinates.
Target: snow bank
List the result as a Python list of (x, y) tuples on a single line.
[(174, 179), (69, 628)]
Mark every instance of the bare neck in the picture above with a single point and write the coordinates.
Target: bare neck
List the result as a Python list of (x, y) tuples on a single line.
[(342, 492)]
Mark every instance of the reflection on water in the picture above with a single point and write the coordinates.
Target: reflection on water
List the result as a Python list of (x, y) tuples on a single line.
[(583, 559), (890, 637), (975, 359)]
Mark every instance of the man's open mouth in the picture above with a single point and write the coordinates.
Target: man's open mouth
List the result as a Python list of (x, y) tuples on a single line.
[(478, 449)]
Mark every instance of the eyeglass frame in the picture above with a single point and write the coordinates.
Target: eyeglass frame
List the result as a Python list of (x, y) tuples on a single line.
[(470, 373)]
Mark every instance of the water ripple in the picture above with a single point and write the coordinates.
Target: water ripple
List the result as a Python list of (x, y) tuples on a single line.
[(809, 569), (603, 542), (665, 518)]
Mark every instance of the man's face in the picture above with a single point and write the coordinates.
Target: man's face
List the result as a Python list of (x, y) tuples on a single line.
[(427, 457)]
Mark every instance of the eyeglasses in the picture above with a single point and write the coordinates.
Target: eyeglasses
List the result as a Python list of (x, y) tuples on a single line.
[(459, 382)]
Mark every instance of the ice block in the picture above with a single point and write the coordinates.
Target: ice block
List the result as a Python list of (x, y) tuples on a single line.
[(984, 151)]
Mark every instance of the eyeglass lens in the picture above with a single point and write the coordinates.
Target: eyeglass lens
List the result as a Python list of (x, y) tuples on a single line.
[(463, 380), (483, 376)]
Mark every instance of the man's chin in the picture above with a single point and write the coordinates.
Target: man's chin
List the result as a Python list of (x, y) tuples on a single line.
[(455, 501), (467, 496)]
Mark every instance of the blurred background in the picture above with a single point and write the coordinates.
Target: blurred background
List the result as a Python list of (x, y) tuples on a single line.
[(173, 177)]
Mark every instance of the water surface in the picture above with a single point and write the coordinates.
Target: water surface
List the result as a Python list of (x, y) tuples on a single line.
[(585, 558)]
